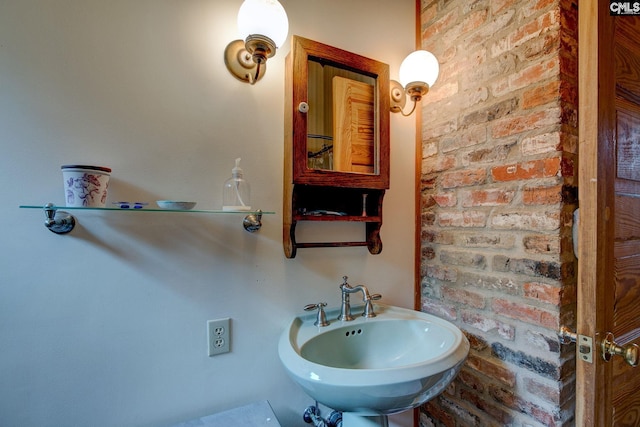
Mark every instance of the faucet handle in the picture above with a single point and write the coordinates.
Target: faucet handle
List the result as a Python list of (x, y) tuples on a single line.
[(368, 306), (321, 320)]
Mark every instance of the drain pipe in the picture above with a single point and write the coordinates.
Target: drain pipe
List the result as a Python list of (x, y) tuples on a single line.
[(312, 416)]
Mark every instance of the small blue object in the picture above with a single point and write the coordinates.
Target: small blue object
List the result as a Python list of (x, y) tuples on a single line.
[(131, 205)]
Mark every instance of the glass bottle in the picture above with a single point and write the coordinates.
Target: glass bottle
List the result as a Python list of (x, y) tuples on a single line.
[(236, 192)]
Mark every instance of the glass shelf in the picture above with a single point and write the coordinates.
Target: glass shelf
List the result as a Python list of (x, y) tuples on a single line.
[(205, 211), (59, 221)]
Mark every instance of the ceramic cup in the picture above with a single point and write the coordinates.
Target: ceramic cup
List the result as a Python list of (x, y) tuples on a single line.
[(86, 186)]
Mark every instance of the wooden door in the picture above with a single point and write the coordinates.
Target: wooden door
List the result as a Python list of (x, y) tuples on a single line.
[(608, 393), (353, 135)]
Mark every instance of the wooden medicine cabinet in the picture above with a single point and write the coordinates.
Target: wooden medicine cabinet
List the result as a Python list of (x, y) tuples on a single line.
[(336, 141)]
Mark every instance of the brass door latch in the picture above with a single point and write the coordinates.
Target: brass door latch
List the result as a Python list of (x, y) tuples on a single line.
[(608, 346)]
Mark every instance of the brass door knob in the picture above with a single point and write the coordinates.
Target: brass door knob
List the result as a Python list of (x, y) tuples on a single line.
[(610, 348)]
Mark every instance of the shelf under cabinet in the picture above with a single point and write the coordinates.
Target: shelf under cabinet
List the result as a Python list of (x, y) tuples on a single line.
[(352, 218), (310, 203)]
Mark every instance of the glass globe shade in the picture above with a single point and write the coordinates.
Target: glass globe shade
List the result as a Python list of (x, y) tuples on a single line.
[(419, 66), (264, 17)]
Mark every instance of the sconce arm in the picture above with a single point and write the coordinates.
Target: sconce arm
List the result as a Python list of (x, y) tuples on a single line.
[(415, 91)]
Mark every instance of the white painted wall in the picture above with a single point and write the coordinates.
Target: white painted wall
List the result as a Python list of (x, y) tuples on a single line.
[(107, 326)]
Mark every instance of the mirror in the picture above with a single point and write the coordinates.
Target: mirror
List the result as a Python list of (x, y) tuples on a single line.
[(340, 121), (337, 118)]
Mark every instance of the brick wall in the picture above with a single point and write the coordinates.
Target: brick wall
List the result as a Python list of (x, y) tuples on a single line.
[(499, 144)]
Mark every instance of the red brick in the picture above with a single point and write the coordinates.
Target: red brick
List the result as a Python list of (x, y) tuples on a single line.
[(438, 164), (540, 144), (499, 5), (463, 258), (445, 200), (439, 309), (427, 201), (428, 218), (556, 392), (544, 168), (434, 236), (567, 167), (509, 126), (494, 411), (463, 178), (526, 313), (542, 195), (497, 371), (428, 13), (442, 90), (427, 253), (545, 391), (442, 129), (533, 29), (466, 377), (546, 342), (511, 400), (466, 138), (445, 274), (462, 219), (446, 419), (487, 155), (471, 299), (488, 240), (474, 20), (486, 324), (534, 74), (541, 95), (568, 143), (440, 25), (491, 197), (543, 292), (542, 244), (536, 221), (475, 342)]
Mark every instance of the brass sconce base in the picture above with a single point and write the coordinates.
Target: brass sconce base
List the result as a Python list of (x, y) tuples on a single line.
[(240, 63), (398, 95)]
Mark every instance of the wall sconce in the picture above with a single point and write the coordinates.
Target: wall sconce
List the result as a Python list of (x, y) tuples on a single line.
[(418, 72), (263, 26)]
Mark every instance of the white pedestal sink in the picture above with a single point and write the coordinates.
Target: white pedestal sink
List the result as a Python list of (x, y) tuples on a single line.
[(369, 368)]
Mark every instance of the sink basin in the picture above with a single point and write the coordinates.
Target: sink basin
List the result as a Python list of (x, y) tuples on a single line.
[(373, 366)]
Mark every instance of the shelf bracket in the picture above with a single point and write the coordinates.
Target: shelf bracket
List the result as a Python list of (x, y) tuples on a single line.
[(59, 222), (253, 222)]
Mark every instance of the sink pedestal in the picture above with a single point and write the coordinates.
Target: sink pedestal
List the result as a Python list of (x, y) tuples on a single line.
[(349, 419)]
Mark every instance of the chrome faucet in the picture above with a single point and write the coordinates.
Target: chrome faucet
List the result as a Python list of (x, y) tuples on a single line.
[(367, 298)]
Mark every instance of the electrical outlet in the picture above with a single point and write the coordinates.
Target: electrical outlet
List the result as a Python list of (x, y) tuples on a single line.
[(219, 334)]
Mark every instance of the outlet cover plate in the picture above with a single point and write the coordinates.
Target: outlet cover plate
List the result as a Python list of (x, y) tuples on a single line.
[(219, 336)]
